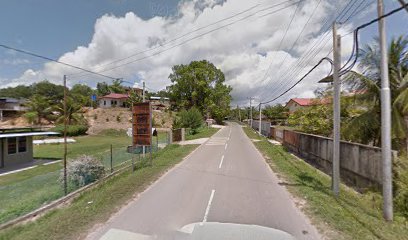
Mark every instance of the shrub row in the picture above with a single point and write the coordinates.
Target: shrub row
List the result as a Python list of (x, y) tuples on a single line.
[(72, 130)]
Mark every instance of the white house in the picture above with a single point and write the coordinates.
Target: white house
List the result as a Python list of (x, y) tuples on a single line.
[(113, 100)]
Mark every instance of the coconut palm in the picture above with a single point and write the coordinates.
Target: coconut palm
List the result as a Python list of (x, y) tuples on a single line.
[(366, 127), (74, 112), (39, 106)]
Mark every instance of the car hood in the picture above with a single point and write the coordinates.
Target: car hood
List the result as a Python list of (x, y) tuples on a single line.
[(207, 231)]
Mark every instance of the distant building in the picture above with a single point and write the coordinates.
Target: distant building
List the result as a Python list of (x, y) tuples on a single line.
[(16, 145), (10, 106), (113, 100), (295, 104), (159, 103)]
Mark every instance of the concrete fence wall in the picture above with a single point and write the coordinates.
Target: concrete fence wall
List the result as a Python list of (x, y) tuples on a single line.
[(360, 165), (265, 126), (178, 135)]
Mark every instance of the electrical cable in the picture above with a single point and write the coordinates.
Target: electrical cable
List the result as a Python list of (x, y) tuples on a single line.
[(296, 72), (54, 60), (312, 50), (203, 34), (356, 55)]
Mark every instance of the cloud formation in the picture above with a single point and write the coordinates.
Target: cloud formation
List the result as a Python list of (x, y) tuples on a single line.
[(243, 50)]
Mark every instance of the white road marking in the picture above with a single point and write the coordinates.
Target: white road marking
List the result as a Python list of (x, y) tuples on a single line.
[(226, 146), (222, 160), (208, 207)]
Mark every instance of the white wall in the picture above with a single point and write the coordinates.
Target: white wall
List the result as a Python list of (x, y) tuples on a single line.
[(107, 103)]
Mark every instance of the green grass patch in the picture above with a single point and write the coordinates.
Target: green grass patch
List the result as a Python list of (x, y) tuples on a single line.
[(25, 191), (351, 215), (73, 221), (84, 145), (203, 132)]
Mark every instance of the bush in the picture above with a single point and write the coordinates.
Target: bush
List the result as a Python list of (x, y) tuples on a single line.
[(31, 117), (82, 171), (190, 119), (113, 132), (72, 130), (401, 186)]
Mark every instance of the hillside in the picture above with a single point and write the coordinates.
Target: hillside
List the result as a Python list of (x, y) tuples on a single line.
[(120, 118)]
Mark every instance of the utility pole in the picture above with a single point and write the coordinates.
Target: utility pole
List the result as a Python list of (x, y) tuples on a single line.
[(65, 135), (385, 120), (250, 107), (336, 113), (239, 113), (143, 100), (402, 2), (260, 119)]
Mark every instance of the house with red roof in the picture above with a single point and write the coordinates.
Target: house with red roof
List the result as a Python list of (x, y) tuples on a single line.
[(295, 104), (113, 100)]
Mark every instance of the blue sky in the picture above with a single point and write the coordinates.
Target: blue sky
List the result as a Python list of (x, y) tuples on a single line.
[(56, 27)]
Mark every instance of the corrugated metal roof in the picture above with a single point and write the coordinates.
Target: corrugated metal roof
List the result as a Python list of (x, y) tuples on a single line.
[(27, 134)]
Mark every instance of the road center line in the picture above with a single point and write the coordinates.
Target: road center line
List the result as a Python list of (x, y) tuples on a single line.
[(222, 159), (208, 207), (226, 146)]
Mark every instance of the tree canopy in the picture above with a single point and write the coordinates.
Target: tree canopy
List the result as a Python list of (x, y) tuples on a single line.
[(200, 84)]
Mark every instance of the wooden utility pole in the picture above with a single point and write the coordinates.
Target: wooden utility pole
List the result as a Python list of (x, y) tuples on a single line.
[(336, 111), (65, 136)]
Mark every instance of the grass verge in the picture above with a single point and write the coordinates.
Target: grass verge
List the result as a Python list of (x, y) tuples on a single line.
[(25, 191), (94, 144), (351, 215), (97, 205), (203, 132)]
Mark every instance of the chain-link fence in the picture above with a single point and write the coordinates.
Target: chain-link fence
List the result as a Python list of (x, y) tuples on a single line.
[(23, 193)]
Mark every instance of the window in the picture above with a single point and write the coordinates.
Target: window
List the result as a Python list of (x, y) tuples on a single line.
[(22, 144), (11, 145), (111, 102), (104, 103)]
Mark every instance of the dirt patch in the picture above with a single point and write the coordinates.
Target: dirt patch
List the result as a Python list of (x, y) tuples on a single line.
[(121, 119)]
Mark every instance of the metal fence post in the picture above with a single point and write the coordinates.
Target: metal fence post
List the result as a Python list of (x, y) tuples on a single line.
[(111, 158)]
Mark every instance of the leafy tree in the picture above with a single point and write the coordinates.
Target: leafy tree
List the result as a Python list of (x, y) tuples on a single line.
[(117, 87), (82, 93), (48, 90), (277, 113), (19, 92), (367, 126), (314, 120), (102, 89), (133, 98), (191, 118), (40, 106), (200, 84)]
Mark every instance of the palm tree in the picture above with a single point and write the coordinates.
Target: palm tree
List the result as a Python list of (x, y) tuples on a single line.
[(40, 106), (366, 127), (74, 112)]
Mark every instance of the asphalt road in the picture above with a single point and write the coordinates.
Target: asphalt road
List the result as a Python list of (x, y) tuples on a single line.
[(225, 180)]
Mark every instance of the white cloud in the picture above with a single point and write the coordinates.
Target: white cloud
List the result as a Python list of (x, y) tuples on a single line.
[(243, 50)]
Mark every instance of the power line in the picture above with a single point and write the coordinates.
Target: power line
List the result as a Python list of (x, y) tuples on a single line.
[(356, 45), (311, 54), (206, 33), (281, 41), (54, 60)]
